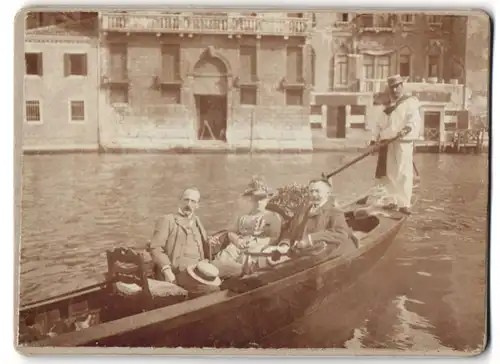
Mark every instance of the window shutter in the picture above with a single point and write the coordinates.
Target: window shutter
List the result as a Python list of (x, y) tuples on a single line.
[(463, 119), (40, 64), (84, 64), (67, 65)]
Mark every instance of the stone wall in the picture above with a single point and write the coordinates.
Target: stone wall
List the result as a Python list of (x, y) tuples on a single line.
[(149, 121)]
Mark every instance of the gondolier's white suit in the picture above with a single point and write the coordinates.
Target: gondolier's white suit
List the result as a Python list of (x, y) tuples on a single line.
[(398, 176)]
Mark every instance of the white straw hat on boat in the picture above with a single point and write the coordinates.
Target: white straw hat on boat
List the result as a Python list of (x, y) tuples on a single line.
[(205, 272)]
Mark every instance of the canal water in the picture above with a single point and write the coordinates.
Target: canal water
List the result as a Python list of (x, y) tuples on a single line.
[(427, 293)]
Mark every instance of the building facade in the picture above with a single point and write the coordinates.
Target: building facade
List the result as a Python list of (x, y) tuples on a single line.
[(60, 98), (160, 80), (177, 79), (356, 52)]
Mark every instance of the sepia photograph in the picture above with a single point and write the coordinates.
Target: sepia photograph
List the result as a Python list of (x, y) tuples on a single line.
[(250, 180)]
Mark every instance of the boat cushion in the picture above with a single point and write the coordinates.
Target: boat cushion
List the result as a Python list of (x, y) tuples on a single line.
[(158, 289)]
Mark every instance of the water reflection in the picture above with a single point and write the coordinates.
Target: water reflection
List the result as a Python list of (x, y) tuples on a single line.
[(427, 292)]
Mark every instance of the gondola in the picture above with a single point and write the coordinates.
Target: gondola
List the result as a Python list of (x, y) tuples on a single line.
[(244, 311)]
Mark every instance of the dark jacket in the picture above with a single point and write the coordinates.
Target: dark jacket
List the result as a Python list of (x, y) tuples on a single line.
[(328, 225)]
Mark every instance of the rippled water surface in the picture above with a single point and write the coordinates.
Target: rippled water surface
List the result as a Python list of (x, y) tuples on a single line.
[(426, 294)]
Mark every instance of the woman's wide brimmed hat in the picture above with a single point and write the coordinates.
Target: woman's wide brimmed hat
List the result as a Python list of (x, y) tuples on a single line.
[(258, 188), (205, 273)]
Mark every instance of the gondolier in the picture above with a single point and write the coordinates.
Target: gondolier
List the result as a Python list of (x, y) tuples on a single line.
[(395, 161)]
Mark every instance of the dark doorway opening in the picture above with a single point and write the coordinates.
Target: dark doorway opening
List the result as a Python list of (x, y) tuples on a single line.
[(212, 117), (335, 122), (431, 125)]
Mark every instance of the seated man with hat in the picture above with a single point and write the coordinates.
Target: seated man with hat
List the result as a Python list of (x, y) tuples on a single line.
[(323, 221)]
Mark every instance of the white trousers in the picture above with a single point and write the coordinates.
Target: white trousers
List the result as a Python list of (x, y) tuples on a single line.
[(399, 179)]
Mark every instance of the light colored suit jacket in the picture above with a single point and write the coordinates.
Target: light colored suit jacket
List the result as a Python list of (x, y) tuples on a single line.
[(170, 234)]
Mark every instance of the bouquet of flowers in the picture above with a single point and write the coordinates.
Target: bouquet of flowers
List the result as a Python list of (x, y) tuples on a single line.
[(288, 199)]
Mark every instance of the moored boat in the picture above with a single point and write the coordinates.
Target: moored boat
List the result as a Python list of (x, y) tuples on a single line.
[(243, 312)]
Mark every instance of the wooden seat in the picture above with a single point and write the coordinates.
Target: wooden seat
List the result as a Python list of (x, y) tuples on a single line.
[(128, 276)]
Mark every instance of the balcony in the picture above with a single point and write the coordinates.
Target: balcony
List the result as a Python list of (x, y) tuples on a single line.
[(376, 23), (428, 92), (204, 24)]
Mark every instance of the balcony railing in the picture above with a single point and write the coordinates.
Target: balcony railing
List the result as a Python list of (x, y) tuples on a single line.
[(205, 24), (376, 22), (431, 134), (373, 85)]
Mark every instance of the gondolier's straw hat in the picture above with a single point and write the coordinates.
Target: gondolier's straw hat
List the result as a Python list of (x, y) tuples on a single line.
[(395, 80), (205, 273)]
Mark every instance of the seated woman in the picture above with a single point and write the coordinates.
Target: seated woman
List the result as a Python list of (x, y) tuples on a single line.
[(256, 229)]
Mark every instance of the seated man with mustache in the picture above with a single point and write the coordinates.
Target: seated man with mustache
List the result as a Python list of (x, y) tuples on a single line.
[(180, 241), (324, 222)]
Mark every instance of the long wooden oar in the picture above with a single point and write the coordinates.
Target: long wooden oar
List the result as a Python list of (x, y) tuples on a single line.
[(357, 159)]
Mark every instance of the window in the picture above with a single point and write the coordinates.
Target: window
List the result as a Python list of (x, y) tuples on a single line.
[(171, 73), (33, 112), (248, 95), (248, 72), (34, 64), (366, 20), (383, 65), (376, 68), (340, 70), (248, 63), (170, 55), (77, 111), (118, 74), (369, 67), (407, 18), (434, 19), (294, 97), (344, 17), (118, 62), (405, 65), (75, 65), (433, 69), (294, 64)]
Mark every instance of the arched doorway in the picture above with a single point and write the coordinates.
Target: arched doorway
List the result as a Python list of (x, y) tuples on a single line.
[(210, 92)]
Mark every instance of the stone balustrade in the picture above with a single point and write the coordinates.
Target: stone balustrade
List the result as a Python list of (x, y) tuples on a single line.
[(203, 24)]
